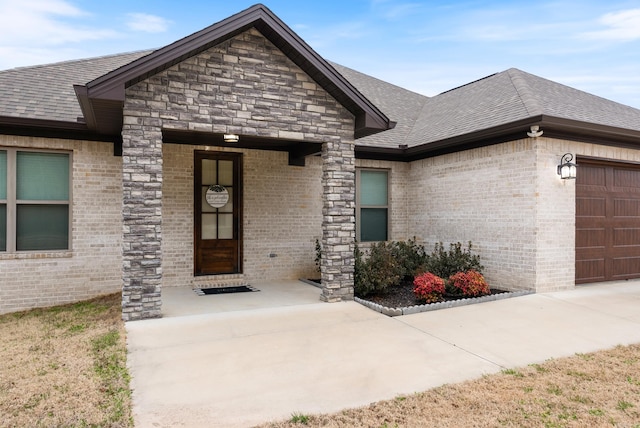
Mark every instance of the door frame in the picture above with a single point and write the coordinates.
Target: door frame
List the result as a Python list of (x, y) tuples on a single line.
[(237, 158)]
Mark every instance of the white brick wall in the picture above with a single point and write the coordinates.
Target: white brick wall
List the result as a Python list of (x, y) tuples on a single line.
[(509, 201), (93, 266)]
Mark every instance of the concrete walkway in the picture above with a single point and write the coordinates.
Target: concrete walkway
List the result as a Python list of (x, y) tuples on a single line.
[(241, 368)]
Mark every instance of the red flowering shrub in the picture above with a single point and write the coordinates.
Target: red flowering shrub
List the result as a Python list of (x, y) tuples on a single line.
[(428, 287), (470, 284)]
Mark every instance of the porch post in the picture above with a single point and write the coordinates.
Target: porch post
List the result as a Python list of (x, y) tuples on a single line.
[(142, 215), (338, 220)]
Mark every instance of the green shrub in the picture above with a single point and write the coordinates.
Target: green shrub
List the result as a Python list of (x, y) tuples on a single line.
[(410, 256), (446, 263), (378, 271)]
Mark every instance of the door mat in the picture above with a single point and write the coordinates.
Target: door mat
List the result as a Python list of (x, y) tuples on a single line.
[(224, 290)]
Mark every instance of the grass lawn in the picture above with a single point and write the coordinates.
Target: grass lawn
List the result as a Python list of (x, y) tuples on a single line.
[(66, 366)]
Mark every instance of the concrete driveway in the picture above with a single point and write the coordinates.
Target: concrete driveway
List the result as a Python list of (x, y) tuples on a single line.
[(245, 367)]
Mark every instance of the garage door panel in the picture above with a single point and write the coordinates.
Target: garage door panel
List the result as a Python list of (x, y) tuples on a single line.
[(591, 207), (626, 208), (626, 267), (590, 270), (590, 238), (626, 237), (627, 178), (592, 175)]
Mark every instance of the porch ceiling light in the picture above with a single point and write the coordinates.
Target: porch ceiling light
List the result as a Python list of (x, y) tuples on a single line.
[(567, 169), (231, 138)]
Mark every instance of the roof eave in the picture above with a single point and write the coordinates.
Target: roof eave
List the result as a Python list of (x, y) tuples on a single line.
[(553, 127)]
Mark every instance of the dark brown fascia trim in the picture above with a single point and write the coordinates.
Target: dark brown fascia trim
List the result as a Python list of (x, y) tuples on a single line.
[(590, 132), (484, 137), (85, 106), (52, 129), (552, 127), (112, 85)]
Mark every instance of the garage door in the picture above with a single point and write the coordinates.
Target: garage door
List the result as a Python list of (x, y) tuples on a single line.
[(607, 222)]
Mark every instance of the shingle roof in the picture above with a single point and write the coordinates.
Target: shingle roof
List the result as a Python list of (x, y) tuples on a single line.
[(399, 104), (510, 96), (46, 91)]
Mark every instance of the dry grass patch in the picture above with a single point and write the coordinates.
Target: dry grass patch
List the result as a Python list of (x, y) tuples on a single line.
[(600, 389), (65, 366)]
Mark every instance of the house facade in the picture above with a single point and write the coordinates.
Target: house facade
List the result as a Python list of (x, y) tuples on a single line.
[(221, 159)]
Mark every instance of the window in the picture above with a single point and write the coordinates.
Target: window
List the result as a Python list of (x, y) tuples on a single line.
[(372, 205), (34, 200)]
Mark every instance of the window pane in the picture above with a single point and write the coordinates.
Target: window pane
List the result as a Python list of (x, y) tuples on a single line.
[(209, 172), (373, 188), (42, 227), (3, 228), (209, 226), (42, 176), (226, 173), (225, 222), (3, 174), (373, 224)]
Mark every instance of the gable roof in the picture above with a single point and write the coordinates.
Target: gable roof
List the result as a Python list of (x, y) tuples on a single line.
[(101, 99)]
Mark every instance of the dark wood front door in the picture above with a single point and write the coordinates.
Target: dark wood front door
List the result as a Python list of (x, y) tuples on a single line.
[(607, 222), (218, 213)]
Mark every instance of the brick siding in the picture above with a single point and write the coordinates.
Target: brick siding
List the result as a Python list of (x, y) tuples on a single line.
[(92, 267)]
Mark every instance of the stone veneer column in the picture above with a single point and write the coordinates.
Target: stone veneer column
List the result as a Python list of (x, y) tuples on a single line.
[(338, 220), (142, 217)]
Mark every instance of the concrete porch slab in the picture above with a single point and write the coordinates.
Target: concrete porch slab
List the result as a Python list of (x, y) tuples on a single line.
[(183, 301)]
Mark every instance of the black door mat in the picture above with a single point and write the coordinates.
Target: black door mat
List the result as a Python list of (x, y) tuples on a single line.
[(224, 290)]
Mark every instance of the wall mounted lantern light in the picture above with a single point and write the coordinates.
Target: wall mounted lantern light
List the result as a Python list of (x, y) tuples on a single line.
[(567, 169), (231, 138)]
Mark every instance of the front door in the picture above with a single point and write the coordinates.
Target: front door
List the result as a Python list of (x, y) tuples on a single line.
[(218, 213)]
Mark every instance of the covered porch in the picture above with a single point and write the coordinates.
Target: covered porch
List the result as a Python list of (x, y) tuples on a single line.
[(252, 77)]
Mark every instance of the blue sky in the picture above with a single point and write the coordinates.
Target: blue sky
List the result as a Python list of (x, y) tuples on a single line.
[(426, 46)]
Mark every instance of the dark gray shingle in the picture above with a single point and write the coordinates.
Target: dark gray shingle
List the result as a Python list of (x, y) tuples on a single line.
[(46, 91)]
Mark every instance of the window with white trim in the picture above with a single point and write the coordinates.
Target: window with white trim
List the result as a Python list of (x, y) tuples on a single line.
[(372, 205), (35, 200)]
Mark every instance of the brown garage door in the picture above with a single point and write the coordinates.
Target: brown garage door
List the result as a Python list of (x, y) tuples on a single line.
[(607, 222)]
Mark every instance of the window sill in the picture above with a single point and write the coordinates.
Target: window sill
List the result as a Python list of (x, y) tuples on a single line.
[(30, 255)]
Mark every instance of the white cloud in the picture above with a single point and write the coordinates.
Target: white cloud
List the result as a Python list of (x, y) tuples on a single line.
[(621, 26), (147, 23), (27, 22)]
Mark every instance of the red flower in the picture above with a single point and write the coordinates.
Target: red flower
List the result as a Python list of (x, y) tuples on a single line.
[(428, 287)]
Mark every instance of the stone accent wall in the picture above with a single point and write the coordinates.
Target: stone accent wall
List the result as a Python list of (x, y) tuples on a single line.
[(141, 214), (93, 266), (338, 221), (244, 86)]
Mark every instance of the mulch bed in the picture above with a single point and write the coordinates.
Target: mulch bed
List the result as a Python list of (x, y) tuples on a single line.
[(402, 296)]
